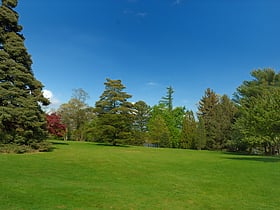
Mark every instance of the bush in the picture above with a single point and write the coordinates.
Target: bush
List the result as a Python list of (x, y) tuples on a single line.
[(20, 149)]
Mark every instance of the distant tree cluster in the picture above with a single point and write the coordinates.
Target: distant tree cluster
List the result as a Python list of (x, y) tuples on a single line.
[(248, 122)]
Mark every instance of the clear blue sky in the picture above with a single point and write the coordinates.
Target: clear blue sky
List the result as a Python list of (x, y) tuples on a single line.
[(150, 45)]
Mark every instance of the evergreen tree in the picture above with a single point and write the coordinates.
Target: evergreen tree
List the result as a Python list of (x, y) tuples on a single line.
[(22, 120), (188, 134), (142, 116), (115, 115), (167, 100), (226, 112), (207, 111)]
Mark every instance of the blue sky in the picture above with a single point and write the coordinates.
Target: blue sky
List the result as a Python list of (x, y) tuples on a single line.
[(150, 44)]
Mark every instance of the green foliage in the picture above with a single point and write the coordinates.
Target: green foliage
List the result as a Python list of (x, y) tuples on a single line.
[(259, 103), (75, 115), (115, 115), (200, 141), (43, 146), (159, 132), (22, 120), (188, 134), (218, 114), (167, 101), (140, 125)]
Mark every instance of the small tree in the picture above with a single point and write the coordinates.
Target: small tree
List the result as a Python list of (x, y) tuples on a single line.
[(55, 126), (142, 115), (159, 132), (188, 134)]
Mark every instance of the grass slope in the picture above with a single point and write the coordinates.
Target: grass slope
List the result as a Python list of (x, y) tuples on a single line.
[(89, 176)]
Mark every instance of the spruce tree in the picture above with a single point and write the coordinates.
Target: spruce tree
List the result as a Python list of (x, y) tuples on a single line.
[(22, 120)]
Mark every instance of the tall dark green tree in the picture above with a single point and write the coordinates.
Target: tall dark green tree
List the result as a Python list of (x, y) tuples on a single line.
[(115, 114), (22, 120), (224, 118), (207, 111)]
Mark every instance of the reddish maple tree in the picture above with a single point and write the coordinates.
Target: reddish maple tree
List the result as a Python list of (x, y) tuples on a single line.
[(55, 126)]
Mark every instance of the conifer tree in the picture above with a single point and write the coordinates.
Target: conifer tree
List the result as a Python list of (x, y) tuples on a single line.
[(114, 114), (207, 111), (22, 120)]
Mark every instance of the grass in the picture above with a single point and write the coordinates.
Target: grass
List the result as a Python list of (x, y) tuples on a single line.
[(90, 176)]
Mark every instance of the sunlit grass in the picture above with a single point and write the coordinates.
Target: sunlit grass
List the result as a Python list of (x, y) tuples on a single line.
[(90, 176)]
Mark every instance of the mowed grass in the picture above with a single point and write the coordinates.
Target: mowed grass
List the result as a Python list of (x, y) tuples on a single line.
[(90, 176)]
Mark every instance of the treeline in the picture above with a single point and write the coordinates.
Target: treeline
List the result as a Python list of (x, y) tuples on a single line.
[(250, 121)]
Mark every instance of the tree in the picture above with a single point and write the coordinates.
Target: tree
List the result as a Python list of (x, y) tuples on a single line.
[(225, 114), (258, 101), (142, 116), (200, 141), (22, 120), (218, 114), (206, 111), (55, 126), (167, 100), (115, 114), (159, 132), (75, 114), (188, 134)]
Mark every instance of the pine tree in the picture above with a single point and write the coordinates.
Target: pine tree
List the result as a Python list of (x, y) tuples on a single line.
[(207, 111), (22, 120), (167, 100), (114, 114)]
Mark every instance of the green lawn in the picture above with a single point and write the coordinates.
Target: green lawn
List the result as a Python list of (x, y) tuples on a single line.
[(90, 176)]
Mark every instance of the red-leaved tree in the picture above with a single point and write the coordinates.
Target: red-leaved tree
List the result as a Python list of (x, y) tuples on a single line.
[(55, 126)]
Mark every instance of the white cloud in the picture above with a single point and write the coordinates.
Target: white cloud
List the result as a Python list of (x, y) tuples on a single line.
[(48, 94), (54, 101)]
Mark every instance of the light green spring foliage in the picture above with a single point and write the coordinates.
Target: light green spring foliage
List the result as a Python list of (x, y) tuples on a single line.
[(259, 102), (22, 120)]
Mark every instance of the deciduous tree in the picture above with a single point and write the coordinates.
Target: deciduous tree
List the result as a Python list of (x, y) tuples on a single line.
[(75, 114), (55, 127), (259, 101)]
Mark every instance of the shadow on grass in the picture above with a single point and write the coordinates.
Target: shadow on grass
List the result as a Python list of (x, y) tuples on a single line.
[(59, 143), (254, 158), (111, 145)]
